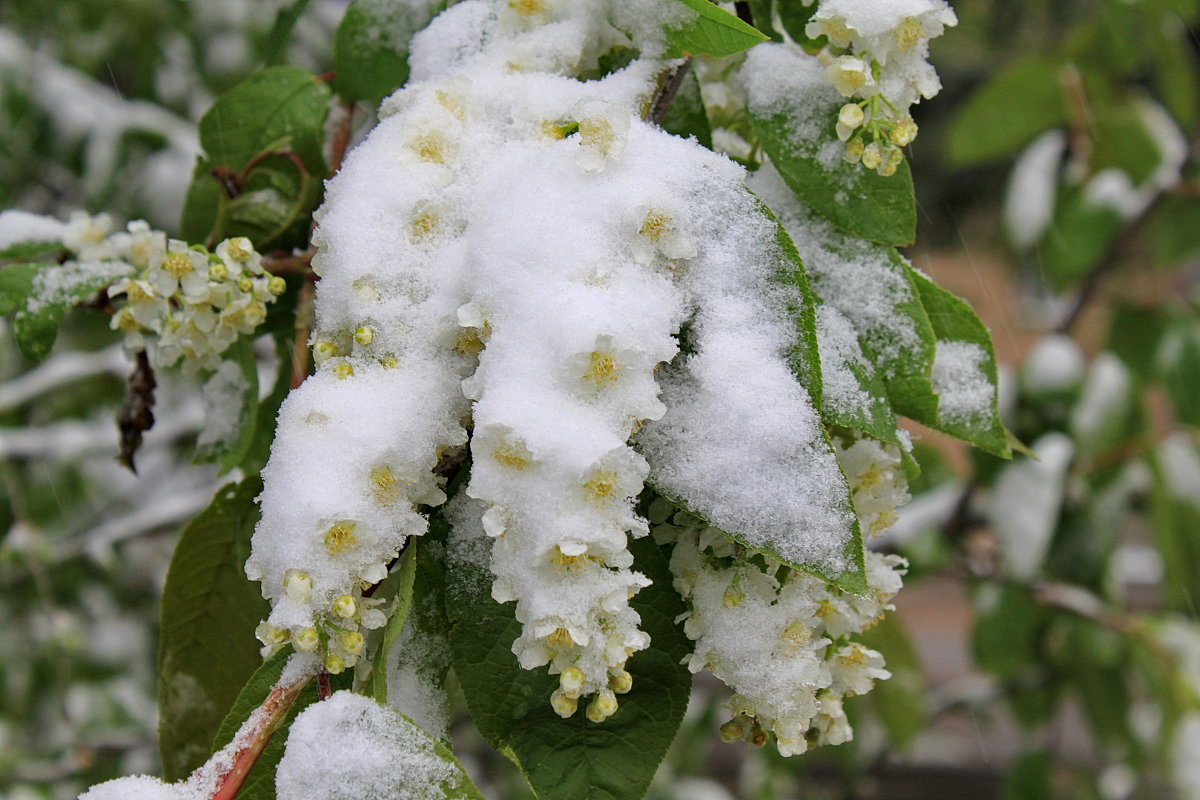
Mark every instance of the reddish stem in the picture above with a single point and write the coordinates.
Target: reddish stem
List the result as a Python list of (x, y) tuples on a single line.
[(254, 735), (323, 688)]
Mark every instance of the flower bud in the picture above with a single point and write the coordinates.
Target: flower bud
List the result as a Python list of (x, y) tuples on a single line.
[(276, 285), (620, 682), (218, 273), (851, 115), (734, 730), (904, 132), (306, 640), (351, 642), (345, 606), (563, 706), (872, 156), (334, 664), (854, 151), (571, 681), (297, 586), (603, 706), (268, 634), (364, 335), (324, 350)]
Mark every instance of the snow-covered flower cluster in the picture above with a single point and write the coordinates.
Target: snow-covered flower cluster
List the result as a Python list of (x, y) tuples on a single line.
[(182, 302), (877, 57), (513, 251), (780, 638)]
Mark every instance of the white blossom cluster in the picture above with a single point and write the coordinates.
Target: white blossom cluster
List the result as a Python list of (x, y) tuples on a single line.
[(780, 638), (183, 303), (877, 57), (512, 252)]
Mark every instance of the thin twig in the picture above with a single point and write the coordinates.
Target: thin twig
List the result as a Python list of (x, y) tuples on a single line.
[(341, 138), (668, 87), (300, 342)]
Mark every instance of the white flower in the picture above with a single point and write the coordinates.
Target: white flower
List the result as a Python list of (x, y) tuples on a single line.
[(659, 233), (180, 268), (851, 76), (601, 136)]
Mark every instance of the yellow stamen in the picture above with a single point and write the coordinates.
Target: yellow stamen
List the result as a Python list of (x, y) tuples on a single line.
[(340, 537)]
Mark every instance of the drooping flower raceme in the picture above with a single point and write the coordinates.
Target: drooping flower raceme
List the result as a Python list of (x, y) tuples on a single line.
[(782, 639), (189, 304), (180, 302), (877, 57)]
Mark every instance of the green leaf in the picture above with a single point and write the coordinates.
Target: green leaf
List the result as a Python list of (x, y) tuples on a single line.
[(1179, 364), (1008, 112), (33, 251), (1100, 679), (712, 32), (794, 17), (1175, 518), (1029, 778), (252, 133), (1008, 627), (16, 284), (1175, 71), (1174, 230), (854, 198), (686, 116), (370, 49), (402, 602), (1134, 332), (760, 12), (869, 286), (231, 450), (260, 783), (568, 759), (804, 355), (206, 646), (53, 290), (277, 41), (855, 396), (900, 700), (1079, 236), (968, 403), (273, 105)]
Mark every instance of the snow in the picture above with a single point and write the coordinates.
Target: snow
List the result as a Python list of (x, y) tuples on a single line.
[(55, 286), (965, 393), (21, 226), (1181, 467), (1106, 399), (857, 278), (1054, 365), (779, 80), (1024, 505), (837, 342), (92, 114), (223, 395), (134, 787), (348, 747), (1029, 202)]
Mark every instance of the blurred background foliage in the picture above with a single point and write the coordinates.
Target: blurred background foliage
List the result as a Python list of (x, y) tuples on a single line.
[(1046, 644)]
